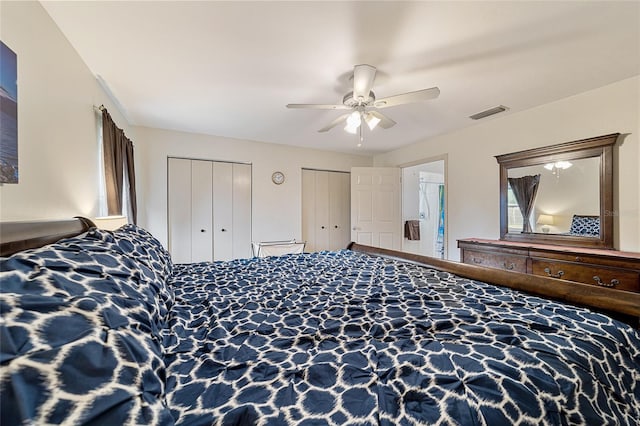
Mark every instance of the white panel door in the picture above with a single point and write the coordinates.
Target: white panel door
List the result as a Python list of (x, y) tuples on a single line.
[(309, 209), (339, 210), (375, 207), (321, 228), (179, 209), (223, 211), (241, 227), (201, 211)]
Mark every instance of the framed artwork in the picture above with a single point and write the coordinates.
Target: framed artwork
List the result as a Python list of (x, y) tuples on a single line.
[(8, 115)]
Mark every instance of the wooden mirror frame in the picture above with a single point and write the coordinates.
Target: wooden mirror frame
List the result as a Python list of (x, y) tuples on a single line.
[(602, 147)]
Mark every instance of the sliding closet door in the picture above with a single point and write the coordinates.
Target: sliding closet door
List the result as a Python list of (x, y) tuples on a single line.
[(339, 210), (179, 209), (223, 211), (321, 238), (209, 210), (241, 226), (309, 209), (325, 210), (201, 218)]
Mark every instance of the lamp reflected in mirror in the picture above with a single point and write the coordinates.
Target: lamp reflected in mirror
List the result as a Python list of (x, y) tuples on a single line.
[(545, 220)]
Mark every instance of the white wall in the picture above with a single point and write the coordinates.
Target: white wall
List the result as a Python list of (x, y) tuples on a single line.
[(473, 174), (57, 138), (276, 208)]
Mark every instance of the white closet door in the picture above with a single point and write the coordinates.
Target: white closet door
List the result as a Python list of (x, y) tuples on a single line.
[(309, 209), (325, 210), (241, 211), (339, 206), (179, 209), (223, 211), (201, 217), (322, 211)]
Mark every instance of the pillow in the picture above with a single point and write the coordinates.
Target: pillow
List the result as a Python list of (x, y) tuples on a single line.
[(585, 225), (138, 244)]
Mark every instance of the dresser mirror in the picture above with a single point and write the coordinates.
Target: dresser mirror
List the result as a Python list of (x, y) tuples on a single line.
[(560, 194)]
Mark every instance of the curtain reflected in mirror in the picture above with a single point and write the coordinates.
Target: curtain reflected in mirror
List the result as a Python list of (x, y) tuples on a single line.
[(524, 190)]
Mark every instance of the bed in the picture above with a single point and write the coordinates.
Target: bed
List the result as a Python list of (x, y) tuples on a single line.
[(102, 328)]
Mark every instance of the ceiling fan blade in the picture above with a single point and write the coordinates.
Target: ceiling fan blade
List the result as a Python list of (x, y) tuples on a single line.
[(385, 122), (334, 123), (363, 76), (406, 98), (317, 106)]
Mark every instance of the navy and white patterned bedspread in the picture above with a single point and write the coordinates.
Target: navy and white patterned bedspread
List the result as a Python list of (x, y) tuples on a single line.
[(102, 329), (346, 338)]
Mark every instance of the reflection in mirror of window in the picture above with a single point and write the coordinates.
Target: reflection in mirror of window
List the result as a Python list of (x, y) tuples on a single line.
[(515, 216)]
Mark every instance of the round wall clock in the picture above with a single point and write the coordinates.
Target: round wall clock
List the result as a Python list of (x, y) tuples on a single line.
[(277, 178)]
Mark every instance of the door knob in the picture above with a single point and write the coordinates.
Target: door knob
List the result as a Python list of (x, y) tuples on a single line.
[(223, 230), (336, 226), (322, 227), (203, 230)]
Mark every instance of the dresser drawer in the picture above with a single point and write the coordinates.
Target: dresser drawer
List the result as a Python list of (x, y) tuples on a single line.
[(495, 260), (619, 279)]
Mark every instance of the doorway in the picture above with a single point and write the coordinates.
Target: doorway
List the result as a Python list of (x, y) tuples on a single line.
[(423, 209)]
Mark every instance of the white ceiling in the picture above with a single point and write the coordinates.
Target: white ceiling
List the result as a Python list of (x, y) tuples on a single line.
[(229, 68)]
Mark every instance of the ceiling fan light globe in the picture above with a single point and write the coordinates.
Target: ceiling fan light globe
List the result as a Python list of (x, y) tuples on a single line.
[(354, 119), (351, 129), (372, 121)]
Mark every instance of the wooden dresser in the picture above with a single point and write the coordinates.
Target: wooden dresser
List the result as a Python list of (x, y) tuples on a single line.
[(605, 268)]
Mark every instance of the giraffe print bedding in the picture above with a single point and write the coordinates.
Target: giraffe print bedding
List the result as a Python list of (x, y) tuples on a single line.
[(103, 329)]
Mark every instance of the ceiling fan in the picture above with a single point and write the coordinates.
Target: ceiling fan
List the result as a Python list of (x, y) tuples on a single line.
[(363, 103)]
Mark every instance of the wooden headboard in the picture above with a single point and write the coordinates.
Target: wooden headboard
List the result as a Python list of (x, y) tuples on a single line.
[(17, 236)]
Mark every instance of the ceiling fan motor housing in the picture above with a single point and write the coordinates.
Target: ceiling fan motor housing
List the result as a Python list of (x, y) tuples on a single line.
[(352, 102)]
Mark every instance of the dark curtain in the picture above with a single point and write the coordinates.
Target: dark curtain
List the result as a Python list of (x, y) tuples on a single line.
[(117, 151), (131, 175), (524, 190)]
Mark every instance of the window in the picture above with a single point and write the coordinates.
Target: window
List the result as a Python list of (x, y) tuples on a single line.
[(514, 216)]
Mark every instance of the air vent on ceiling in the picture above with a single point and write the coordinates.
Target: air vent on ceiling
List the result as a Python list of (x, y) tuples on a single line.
[(487, 113)]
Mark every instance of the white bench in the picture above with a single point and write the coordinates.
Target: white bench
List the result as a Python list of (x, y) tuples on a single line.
[(276, 248)]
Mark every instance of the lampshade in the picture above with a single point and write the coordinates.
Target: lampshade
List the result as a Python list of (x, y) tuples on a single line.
[(110, 223), (545, 219), (353, 122), (372, 121)]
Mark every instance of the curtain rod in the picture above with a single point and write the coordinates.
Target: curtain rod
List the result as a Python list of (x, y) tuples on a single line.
[(99, 108)]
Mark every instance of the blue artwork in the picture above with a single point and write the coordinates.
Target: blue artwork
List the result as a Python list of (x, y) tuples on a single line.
[(8, 115)]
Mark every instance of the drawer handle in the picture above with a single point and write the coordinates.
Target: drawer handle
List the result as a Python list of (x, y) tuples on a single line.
[(476, 260), (614, 282), (508, 267), (558, 275)]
